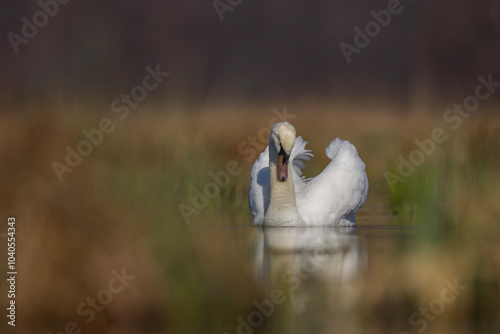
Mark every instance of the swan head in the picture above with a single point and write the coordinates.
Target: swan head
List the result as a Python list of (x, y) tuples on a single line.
[(282, 139)]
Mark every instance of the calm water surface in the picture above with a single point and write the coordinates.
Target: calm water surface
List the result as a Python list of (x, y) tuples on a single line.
[(309, 280)]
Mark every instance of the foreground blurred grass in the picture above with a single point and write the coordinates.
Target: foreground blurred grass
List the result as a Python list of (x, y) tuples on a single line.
[(120, 208)]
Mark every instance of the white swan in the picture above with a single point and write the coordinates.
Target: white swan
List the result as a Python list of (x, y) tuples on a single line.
[(280, 196)]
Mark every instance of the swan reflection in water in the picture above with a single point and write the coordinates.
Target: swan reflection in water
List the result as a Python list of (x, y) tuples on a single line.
[(320, 270)]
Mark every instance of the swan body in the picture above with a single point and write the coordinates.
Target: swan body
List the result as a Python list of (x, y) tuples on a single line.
[(280, 196)]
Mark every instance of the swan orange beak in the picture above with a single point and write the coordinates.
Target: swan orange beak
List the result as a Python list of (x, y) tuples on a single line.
[(282, 165)]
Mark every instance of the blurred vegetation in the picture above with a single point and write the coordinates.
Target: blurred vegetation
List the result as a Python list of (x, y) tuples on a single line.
[(260, 52), (444, 195), (120, 208)]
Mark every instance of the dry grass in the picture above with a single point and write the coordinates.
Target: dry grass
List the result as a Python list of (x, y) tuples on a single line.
[(119, 208)]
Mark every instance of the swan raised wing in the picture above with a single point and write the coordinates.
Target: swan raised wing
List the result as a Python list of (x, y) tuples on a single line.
[(338, 192)]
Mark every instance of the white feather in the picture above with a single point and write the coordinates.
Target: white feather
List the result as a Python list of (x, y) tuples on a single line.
[(331, 198)]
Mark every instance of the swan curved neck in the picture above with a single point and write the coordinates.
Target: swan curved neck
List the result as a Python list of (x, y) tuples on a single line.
[(282, 210)]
